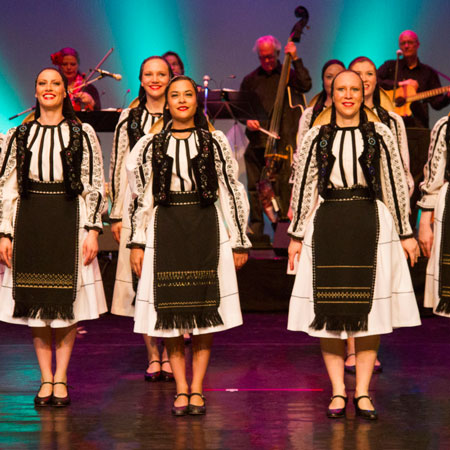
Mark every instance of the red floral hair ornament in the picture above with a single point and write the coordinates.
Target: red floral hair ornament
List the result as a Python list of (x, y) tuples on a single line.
[(57, 58)]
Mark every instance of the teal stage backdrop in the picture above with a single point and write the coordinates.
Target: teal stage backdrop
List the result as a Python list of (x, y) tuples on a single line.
[(213, 37)]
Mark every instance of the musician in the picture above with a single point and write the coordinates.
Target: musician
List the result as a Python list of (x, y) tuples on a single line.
[(83, 98), (263, 81), (416, 74), (175, 62)]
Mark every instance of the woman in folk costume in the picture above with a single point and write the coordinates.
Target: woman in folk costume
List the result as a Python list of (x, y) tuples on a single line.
[(373, 99), (435, 241), (154, 75), (181, 250), (376, 100), (51, 202), (350, 203), (320, 101)]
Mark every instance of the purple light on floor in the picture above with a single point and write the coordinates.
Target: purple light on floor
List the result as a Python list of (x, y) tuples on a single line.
[(264, 390)]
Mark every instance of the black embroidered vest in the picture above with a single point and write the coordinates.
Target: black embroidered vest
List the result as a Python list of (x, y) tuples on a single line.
[(134, 129), (71, 158), (369, 159), (203, 167)]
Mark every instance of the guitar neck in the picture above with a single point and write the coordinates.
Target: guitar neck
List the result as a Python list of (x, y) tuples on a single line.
[(426, 94)]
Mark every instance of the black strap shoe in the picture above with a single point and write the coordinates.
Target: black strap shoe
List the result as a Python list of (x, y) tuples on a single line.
[(339, 412), (368, 414)]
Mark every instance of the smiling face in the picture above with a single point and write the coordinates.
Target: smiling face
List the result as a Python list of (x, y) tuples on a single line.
[(328, 77), (182, 103), (347, 97), (155, 78), (69, 67), (368, 74), (50, 90)]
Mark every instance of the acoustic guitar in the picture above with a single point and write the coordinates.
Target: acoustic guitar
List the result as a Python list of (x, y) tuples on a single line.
[(405, 95)]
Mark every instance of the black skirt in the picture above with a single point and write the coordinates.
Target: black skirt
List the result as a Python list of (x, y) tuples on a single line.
[(186, 282), (45, 253), (344, 260)]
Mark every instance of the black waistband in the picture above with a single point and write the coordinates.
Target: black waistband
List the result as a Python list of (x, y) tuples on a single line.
[(178, 198), (354, 193), (46, 187)]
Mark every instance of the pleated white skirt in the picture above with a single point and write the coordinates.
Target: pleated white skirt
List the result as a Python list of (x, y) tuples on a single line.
[(123, 295), (394, 304), (89, 303), (229, 309), (431, 299)]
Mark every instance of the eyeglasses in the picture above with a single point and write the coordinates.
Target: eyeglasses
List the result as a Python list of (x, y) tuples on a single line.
[(408, 43)]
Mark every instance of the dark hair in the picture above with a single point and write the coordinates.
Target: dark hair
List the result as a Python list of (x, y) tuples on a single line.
[(180, 63), (318, 107), (67, 110), (199, 118), (142, 97), (363, 116)]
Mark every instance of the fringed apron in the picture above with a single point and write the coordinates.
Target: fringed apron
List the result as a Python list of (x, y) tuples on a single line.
[(186, 282), (344, 259), (45, 252)]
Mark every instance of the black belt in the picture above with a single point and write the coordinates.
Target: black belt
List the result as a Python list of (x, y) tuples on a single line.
[(356, 193), (180, 198), (43, 187)]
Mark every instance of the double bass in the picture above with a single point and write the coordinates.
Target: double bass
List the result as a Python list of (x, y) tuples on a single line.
[(279, 151)]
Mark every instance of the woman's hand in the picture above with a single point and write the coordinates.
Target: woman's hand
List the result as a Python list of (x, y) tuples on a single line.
[(239, 259), (6, 251), (136, 260), (86, 99), (426, 233), (295, 248), (411, 249), (90, 247), (116, 229)]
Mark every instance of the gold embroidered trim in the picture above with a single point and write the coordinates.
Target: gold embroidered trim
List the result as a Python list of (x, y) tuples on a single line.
[(345, 287), (44, 280), (45, 192), (186, 275), (164, 305), (343, 294), (186, 283), (336, 301)]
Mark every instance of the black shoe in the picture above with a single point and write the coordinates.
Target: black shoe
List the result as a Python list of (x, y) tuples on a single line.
[(181, 410), (61, 401), (153, 376), (339, 412), (348, 368), (43, 401), (195, 410), (367, 414), (166, 376)]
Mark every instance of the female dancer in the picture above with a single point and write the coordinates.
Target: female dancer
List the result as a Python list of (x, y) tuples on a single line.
[(51, 201), (175, 62), (366, 69), (134, 123), (83, 98), (436, 245), (187, 283), (353, 279)]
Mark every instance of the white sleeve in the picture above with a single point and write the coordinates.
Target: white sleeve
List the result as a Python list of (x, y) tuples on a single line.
[(305, 195), (140, 176), (232, 195), (303, 127), (117, 170), (434, 170), (92, 178), (9, 190)]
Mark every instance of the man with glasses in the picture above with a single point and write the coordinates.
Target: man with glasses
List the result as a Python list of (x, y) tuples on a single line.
[(263, 81), (416, 74)]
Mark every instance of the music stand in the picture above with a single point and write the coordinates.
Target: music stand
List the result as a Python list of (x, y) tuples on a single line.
[(230, 104)]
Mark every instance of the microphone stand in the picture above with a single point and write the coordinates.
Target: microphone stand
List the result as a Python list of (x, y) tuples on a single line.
[(399, 52)]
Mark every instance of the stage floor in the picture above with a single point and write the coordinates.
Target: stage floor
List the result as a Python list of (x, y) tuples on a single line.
[(266, 388)]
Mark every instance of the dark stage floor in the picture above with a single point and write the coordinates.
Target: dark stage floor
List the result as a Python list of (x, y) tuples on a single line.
[(266, 389)]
